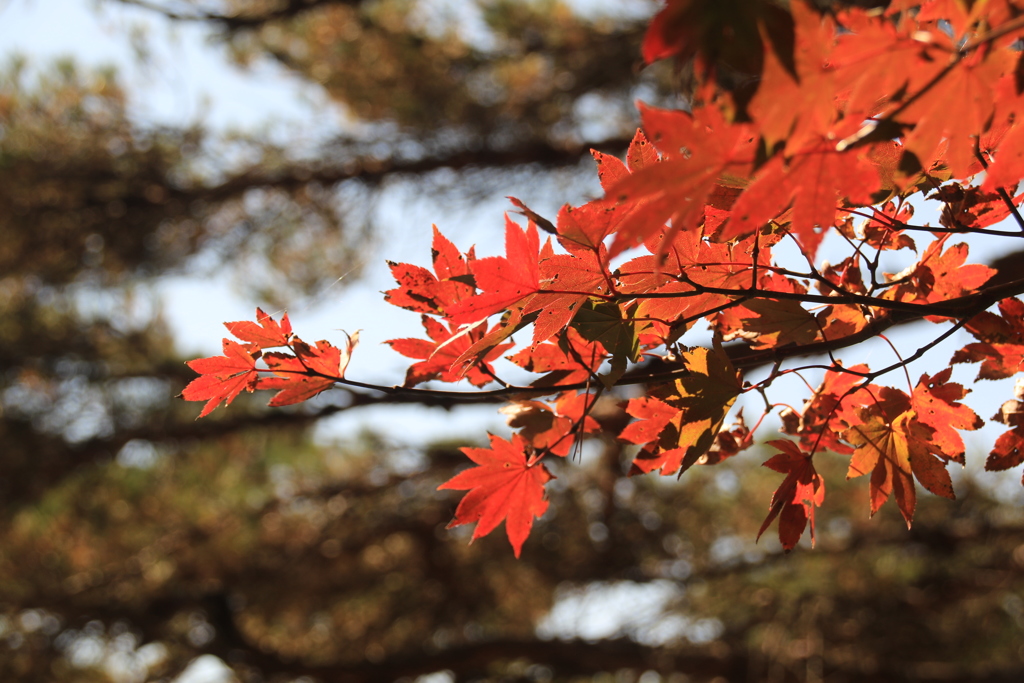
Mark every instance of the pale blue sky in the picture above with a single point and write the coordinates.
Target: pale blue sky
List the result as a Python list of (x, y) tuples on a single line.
[(187, 78)]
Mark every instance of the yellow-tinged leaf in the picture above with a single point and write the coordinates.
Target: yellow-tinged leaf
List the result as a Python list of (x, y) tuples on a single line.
[(882, 449), (770, 323), (701, 400)]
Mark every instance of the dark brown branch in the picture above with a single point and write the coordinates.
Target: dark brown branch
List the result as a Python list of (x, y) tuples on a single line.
[(565, 657), (54, 459), (375, 170), (958, 229), (236, 22), (839, 298), (743, 357), (965, 308)]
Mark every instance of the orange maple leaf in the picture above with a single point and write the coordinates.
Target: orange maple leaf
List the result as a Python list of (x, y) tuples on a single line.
[(1008, 450), (936, 402), (698, 148), (797, 109), (567, 280), (941, 276), (768, 323), (569, 360), (956, 109), (1001, 349), (551, 429), (882, 449), (875, 60), (815, 180)]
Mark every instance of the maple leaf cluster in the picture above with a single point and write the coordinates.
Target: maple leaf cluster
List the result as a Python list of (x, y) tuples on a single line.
[(298, 375), (853, 117)]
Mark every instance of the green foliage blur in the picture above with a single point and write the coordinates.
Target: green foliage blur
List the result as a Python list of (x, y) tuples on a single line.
[(134, 540)]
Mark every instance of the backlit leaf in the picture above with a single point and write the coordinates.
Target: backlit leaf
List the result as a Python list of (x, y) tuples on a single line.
[(222, 378), (311, 370), (798, 495), (680, 421), (265, 332), (505, 485)]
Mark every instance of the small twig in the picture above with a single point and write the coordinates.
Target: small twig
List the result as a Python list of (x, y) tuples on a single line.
[(1001, 191), (910, 385)]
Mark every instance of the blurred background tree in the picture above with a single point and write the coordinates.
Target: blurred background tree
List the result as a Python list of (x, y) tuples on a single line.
[(134, 540)]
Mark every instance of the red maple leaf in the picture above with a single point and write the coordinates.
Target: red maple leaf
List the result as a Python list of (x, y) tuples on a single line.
[(667, 34), (950, 12), (425, 292), (950, 115), (553, 429), (815, 180), (884, 230), (712, 32), (539, 426), (1008, 451), (266, 333), (690, 262), (679, 421), (589, 224), (222, 378), (504, 280), (439, 358), (1009, 447), (570, 360), (567, 280), (698, 148), (729, 442), (610, 170), (798, 495), (505, 485), (834, 401), (652, 416), (796, 107), (767, 323), (311, 370), (874, 59), (1008, 167), (1001, 349), (940, 276), (972, 207)]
